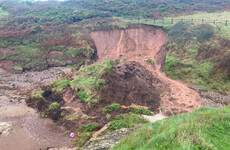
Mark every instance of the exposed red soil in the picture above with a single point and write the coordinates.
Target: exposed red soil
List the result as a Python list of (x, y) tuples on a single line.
[(139, 43)]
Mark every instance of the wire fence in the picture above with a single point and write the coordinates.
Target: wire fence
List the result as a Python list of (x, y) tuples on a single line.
[(174, 21)]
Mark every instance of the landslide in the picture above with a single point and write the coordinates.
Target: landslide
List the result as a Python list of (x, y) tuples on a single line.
[(141, 43), (97, 94)]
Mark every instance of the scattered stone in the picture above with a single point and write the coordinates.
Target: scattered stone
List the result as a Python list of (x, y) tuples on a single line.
[(5, 129), (212, 98), (107, 141)]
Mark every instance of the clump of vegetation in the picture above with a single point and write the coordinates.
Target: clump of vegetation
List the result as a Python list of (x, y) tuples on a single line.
[(108, 116), (54, 106), (126, 121), (206, 128), (59, 85), (112, 107), (44, 115), (142, 111), (150, 61), (85, 133), (37, 94), (88, 80)]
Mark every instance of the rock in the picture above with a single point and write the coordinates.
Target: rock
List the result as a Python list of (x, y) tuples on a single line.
[(5, 128), (212, 98), (107, 141)]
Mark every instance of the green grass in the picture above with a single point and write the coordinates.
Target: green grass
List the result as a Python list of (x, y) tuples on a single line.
[(150, 61), (88, 80), (205, 128), (3, 13), (54, 105), (140, 111), (37, 94), (205, 15), (223, 30), (126, 121), (85, 133), (165, 26), (59, 85), (112, 107)]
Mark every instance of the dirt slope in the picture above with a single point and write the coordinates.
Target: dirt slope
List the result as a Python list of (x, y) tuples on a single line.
[(139, 43)]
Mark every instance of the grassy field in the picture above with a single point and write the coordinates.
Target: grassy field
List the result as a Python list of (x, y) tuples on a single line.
[(146, 22), (3, 13), (203, 129), (205, 15)]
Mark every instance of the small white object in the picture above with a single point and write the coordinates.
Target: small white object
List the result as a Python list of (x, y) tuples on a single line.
[(72, 135)]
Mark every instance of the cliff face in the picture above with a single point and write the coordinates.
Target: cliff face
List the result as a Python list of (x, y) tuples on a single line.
[(136, 41)]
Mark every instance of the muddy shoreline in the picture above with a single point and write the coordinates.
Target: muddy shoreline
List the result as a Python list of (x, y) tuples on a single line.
[(25, 130)]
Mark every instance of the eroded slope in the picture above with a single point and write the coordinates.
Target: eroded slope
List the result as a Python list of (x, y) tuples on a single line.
[(139, 43)]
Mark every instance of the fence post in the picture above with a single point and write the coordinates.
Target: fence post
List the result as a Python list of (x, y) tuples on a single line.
[(214, 21), (226, 23), (182, 19), (172, 21), (154, 20), (163, 21), (192, 21), (202, 20)]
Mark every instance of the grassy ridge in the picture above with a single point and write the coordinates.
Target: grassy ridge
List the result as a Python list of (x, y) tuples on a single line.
[(3, 13), (195, 55), (206, 128)]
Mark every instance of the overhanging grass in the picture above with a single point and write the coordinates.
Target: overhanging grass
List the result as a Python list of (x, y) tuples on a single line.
[(206, 128), (88, 82)]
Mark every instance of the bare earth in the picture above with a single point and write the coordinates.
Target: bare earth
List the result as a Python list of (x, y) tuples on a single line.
[(139, 43)]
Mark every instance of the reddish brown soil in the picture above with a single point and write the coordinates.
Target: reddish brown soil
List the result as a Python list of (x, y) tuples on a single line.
[(139, 43)]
